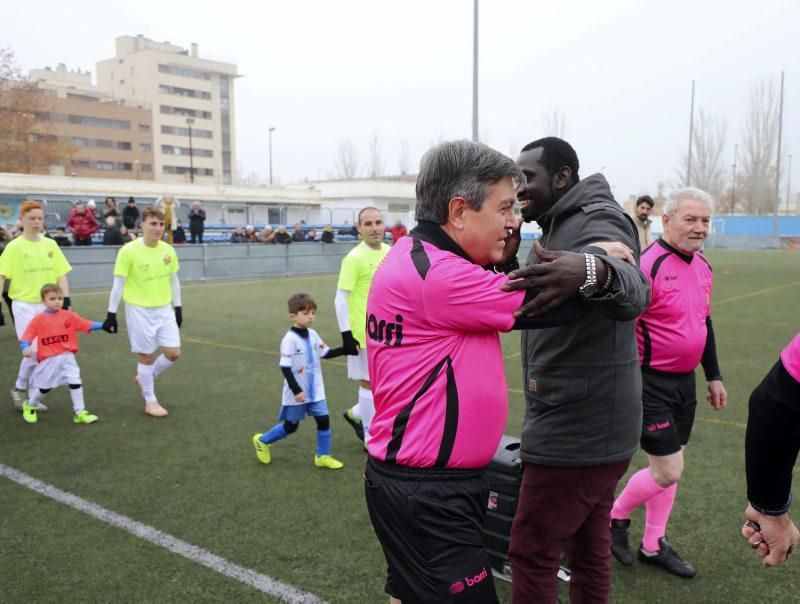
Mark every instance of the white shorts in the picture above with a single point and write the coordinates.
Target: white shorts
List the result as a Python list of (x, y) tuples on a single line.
[(149, 328), (23, 313), (357, 368), (56, 371)]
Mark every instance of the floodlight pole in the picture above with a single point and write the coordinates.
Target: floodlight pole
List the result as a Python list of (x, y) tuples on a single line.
[(691, 135), (189, 122), (788, 183), (475, 71), (733, 190), (271, 130), (778, 165)]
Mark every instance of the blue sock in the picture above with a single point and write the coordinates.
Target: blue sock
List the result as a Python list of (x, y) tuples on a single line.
[(323, 442), (275, 433)]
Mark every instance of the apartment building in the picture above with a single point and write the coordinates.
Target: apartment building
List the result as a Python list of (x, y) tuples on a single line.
[(191, 100), (111, 138)]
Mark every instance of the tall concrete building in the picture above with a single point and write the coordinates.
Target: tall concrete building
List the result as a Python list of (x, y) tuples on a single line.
[(192, 106), (110, 138)]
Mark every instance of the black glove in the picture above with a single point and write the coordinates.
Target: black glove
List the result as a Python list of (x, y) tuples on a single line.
[(110, 324), (179, 316), (2, 317), (349, 343), (67, 303)]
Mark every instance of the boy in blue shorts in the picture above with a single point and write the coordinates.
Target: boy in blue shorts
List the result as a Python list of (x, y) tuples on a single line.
[(303, 389)]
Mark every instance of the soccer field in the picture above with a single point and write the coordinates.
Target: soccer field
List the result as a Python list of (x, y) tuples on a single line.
[(194, 475)]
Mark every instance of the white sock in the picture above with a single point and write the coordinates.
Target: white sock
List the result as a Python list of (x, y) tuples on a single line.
[(366, 406), (77, 399), (34, 396), (354, 410), (146, 380), (26, 367), (161, 365)]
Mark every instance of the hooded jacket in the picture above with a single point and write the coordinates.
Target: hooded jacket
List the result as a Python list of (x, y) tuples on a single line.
[(83, 225), (583, 384)]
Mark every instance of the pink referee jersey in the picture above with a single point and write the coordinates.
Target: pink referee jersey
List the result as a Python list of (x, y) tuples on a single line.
[(672, 331), (790, 357), (435, 360)]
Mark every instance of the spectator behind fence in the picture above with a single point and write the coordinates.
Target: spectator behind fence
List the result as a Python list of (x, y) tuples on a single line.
[(130, 214), (641, 218), (283, 236), (112, 235), (311, 235), (397, 231), (268, 235), (110, 209), (298, 234), (250, 234), (92, 207), (197, 219), (61, 238), (179, 235), (238, 235), (82, 224), (328, 235), (127, 236)]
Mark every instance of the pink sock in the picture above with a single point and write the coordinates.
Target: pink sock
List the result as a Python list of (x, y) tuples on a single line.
[(658, 511), (640, 488)]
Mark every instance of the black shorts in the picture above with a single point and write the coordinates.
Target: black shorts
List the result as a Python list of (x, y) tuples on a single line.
[(669, 402), (429, 525)]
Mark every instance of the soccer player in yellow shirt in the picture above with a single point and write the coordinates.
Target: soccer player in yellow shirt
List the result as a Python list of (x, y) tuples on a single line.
[(355, 278), (31, 261), (146, 278)]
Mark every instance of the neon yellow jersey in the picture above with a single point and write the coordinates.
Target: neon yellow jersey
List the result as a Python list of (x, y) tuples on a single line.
[(355, 276), (30, 265), (147, 272)]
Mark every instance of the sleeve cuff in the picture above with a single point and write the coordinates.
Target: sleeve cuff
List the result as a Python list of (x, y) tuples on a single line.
[(773, 512)]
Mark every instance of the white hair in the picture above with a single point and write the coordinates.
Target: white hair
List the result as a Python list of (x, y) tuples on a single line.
[(693, 193)]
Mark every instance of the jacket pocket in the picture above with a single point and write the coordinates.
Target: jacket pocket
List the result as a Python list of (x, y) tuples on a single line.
[(555, 391)]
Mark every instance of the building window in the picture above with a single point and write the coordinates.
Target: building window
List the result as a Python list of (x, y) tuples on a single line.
[(105, 165), (184, 71), (187, 92), (195, 152), (84, 120), (104, 144), (185, 111), (125, 166), (79, 141), (180, 131), (144, 127), (185, 170), (80, 163), (145, 148), (124, 145), (147, 167)]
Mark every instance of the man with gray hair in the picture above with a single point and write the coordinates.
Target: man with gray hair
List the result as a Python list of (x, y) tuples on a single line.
[(436, 363), (674, 336)]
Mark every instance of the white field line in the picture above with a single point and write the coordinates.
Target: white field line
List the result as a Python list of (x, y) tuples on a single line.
[(263, 583)]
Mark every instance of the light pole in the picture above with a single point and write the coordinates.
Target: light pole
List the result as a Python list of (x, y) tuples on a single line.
[(788, 183), (136, 165), (733, 190), (189, 122), (271, 130)]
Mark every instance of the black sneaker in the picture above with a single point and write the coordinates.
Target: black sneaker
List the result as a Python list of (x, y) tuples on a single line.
[(668, 559), (619, 542), (355, 423)]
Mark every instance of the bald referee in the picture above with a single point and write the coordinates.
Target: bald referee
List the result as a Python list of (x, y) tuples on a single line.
[(675, 335)]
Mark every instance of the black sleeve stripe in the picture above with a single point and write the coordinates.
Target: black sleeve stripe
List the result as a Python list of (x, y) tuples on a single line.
[(420, 259), (657, 265), (450, 419)]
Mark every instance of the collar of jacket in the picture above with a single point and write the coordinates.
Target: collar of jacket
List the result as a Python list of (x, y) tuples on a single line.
[(592, 189), (686, 258), (435, 235)]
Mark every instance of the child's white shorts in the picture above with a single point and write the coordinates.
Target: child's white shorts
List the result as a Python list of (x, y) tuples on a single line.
[(24, 312), (56, 371), (149, 328)]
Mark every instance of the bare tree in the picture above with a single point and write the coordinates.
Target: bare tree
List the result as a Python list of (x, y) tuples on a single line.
[(346, 164), (375, 167), (756, 181), (404, 159), (553, 124), (27, 142), (709, 170)]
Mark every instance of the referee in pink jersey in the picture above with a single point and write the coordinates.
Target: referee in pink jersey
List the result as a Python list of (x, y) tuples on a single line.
[(675, 335)]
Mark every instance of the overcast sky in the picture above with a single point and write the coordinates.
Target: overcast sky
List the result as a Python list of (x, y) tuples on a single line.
[(618, 71)]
